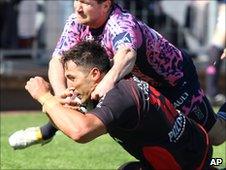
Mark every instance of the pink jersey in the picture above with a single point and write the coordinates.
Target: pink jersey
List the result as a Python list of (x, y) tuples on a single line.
[(164, 66), (164, 60)]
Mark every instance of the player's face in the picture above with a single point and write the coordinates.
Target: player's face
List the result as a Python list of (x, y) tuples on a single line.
[(91, 13), (80, 79)]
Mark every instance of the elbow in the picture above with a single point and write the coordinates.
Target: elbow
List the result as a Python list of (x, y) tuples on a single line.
[(79, 139), (79, 136), (130, 56), (133, 55)]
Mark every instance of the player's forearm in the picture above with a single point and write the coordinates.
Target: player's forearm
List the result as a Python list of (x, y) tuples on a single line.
[(56, 75), (127, 64), (71, 122), (123, 65)]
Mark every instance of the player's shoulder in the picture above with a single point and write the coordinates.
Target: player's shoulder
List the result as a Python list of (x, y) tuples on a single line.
[(121, 88), (126, 87), (120, 18)]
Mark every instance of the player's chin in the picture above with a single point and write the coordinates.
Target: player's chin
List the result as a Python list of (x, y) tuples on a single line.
[(83, 100), (83, 21)]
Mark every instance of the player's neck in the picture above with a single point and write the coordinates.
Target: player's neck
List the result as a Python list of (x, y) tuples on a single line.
[(99, 23), (102, 20)]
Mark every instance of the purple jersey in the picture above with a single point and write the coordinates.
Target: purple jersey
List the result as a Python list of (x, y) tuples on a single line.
[(160, 63), (123, 28)]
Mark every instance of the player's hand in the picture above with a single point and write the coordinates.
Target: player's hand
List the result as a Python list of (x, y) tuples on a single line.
[(69, 98), (101, 89), (37, 87)]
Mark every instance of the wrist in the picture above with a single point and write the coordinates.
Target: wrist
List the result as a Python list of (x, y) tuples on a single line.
[(45, 97), (49, 104)]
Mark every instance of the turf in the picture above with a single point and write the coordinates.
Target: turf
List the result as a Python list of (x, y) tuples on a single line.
[(63, 153)]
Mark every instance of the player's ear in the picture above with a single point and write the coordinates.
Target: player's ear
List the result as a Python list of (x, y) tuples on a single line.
[(107, 5), (95, 74)]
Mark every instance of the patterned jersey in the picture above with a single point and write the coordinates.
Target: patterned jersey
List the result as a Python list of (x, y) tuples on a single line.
[(164, 60), (142, 120), (158, 62)]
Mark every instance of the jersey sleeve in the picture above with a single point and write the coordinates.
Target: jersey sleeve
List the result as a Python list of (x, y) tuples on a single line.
[(69, 37), (125, 31), (116, 109)]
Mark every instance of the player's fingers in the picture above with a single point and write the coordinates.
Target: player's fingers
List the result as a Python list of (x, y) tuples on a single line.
[(63, 100), (26, 86), (29, 83), (69, 92), (66, 94), (74, 103)]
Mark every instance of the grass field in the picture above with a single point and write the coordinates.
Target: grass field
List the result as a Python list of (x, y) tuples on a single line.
[(63, 153)]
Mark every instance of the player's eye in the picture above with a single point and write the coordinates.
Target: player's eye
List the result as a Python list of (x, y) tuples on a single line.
[(71, 78)]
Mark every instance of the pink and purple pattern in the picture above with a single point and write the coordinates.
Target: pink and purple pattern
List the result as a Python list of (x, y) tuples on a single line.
[(123, 29)]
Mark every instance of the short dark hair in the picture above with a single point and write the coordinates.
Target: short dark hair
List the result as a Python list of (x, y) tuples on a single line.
[(88, 54)]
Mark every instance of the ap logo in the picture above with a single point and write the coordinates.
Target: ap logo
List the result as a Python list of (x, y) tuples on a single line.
[(216, 161)]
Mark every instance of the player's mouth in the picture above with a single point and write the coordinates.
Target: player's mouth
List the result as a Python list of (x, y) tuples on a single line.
[(81, 15)]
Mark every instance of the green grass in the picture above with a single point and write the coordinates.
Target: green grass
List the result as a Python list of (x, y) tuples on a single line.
[(63, 153)]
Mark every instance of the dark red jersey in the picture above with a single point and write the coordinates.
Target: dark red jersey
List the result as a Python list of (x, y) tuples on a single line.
[(147, 125)]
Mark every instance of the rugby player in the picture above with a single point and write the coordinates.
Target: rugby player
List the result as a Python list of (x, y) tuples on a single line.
[(148, 55), (135, 115)]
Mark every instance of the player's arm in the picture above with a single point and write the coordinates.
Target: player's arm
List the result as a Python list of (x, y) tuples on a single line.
[(56, 75), (125, 42), (124, 61), (68, 38), (78, 126)]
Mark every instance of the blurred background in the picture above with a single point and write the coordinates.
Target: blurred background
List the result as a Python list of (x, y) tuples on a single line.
[(29, 31)]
